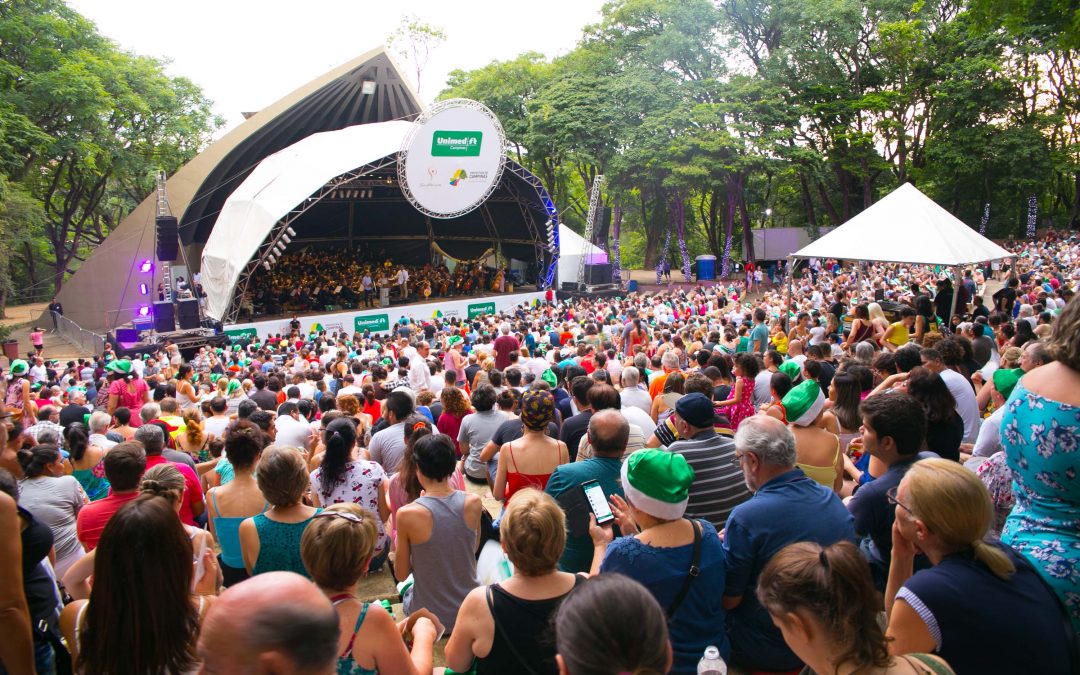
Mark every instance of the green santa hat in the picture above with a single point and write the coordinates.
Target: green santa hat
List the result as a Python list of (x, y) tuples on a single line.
[(121, 366), (657, 482), (1005, 380), (790, 368), (19, 367), (804, 403)]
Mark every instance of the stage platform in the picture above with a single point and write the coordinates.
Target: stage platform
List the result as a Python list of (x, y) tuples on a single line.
[(380, 320)]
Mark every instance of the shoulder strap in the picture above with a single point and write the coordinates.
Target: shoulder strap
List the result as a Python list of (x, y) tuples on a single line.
[(213, 500), (691, 574), (524, 663), (925, 663)]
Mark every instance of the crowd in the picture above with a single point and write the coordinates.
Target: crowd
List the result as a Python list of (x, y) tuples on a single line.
[(849, 479), (317, 281)]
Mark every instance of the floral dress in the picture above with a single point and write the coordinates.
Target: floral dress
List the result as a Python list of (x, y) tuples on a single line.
[(93, 481), (1041, 439), (359, 484), (743, 408)]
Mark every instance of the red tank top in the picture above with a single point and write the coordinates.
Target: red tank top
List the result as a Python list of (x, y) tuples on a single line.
[(519, 481)]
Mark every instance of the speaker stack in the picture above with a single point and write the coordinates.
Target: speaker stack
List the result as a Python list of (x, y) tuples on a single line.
[(164, 317), (168, 238), (187, 313)]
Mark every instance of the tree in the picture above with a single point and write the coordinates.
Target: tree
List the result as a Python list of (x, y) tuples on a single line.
[(414, 40)]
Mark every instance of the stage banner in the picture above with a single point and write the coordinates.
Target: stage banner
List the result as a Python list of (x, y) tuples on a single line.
[(452, 158), (375, 323), (481, 309), (242, 333)]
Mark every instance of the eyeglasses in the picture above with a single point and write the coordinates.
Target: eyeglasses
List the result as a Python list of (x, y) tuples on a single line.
[(890, 495)]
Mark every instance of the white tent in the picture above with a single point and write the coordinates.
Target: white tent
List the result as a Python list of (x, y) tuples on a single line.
[(274, 188), (571, 248), (905, 227)]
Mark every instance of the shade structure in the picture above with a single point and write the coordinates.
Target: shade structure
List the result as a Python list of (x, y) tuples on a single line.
[(905, 227), (572, 246), (274, 188)]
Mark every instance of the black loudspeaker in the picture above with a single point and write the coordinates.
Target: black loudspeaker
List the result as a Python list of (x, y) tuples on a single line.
[(603, 226), (596, 274), (187, 314), (168, 238), (127, 336), (164, 317)]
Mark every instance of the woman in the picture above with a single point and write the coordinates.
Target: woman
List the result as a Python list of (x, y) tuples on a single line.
[(128, 390), (455, 361), (437, 535), (529, 461), (817, 450), (350, 406), (239, 499), (142, 616), (862, 328), (664, 405), (372, 406), (55, 499), (234, 395), (404, 487), (185, 391), (1039, 436), (779, 386), (925, 319), (505, 627), (165, 480), (659, 545), (87, 462), (344, 477), (122, 423), (194, 440), (337, 549), (898, 333), (974, 589), (592, 636), (878, 320), (825, 605), (944, 426), (17, 397), (454, 409), (271, 540)]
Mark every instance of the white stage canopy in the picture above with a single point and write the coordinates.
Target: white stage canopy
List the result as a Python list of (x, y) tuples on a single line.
[(905, 227), (279, 183), (572, 246)]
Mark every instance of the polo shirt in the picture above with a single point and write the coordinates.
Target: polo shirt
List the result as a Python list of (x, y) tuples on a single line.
[(789, 508), (759, 339), (578, 554), (719, 485), (874, 515), (656, 385), (192, 495), (93, 517)]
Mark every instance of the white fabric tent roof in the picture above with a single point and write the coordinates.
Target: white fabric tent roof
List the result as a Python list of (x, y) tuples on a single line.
[(275, 187), (571, 247), (905, 227)]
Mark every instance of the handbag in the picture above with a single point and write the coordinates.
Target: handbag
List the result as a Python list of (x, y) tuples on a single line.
[(691, 574)]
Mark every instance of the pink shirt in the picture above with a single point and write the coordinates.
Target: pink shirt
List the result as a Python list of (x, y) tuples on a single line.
[(132, 400)]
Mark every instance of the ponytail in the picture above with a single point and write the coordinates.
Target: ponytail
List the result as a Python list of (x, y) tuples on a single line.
[(339, 437), (35, 460), (994, 558)]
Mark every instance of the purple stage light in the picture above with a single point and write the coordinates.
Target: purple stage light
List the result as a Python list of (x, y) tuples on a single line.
[(144, 310), (146, 267), (144, 289)]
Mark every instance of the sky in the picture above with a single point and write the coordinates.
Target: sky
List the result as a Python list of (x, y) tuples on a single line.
[(246, 55)]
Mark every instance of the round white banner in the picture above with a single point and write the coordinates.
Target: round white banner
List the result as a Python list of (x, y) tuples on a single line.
[(452, 158)]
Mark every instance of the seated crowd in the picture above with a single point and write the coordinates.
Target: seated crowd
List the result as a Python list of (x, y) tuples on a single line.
[(894, 497)]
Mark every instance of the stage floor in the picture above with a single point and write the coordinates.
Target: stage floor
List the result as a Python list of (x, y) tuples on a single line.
[(380, 319)]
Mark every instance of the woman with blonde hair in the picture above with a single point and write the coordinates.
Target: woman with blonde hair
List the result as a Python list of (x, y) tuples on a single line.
[(824, 602), (505, 627), (194, 440), (878, 320), (975, 590), (337, 548)]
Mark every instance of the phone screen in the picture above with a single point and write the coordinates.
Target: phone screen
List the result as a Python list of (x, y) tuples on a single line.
[(598, 502)]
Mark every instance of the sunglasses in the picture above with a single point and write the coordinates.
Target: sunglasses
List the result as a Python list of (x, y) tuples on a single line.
[(890, 495)]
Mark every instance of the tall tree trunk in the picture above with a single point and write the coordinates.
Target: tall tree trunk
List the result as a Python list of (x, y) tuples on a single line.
[(808, 203), (827, 203), (652, 243), (678, 216), (729, 227), (747, 230)]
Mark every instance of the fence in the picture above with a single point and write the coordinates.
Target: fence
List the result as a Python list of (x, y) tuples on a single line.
[(88, 342)]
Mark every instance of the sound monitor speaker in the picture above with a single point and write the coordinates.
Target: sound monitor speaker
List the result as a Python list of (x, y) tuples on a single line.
[(127, 336), (187, 314), (164, 317), (596, 274), (168, 238)]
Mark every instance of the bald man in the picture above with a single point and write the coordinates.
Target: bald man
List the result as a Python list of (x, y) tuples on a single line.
[(277, 622)]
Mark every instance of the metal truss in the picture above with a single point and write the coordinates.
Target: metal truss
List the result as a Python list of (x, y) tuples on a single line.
[(550, 237)]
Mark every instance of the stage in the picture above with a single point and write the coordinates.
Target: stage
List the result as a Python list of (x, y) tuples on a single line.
[(380, 320)]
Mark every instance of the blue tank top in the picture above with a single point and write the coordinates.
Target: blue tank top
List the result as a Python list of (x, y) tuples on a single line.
[(346, 665), (279, 546), (228, 534)]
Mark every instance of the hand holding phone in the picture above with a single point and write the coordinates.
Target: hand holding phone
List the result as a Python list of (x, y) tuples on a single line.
[(598, 502)]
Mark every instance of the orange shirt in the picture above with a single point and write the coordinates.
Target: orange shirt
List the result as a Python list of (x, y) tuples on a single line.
[(656, 386)]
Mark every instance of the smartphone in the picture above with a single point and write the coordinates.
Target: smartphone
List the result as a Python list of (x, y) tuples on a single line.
[(597, 502)]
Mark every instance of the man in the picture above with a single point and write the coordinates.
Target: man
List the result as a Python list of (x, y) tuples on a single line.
[(608, 434), (48, 419), (292, 429), (983, 347), (403, 282), (153, 441), (759, 335), (76, 409), (419, 370), (218, 422), (604, 397), (99, 427), (124, 466), (505, 345), (38, 371), (57, 311), (893, 429), (387, 447), (275, 623), (262, 396), (632, 394), (575, 428), (960, 387), (669, 363), (718, 484), (787, 507), (1005, 297)]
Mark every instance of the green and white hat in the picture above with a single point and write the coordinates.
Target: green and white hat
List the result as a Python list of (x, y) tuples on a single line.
[(657, 482), (122, 366), (790, 368), (804, 403), (19, 367)]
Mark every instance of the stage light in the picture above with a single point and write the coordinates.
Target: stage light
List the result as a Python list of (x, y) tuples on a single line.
[(266, 264), (285, 238), (279, 247), (291, 232), (367, 87), (144, 310), (144, 289), (146, 267)]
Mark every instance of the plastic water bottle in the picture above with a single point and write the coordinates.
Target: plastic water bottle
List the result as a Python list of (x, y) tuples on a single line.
[(711, 663)]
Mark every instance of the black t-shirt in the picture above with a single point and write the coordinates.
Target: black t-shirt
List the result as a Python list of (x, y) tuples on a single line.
[(573, 430), (429, 332), (827, 373), (511, 430), (41, 596), (944, 438), (470, 373), (72, 414), (265, 399)]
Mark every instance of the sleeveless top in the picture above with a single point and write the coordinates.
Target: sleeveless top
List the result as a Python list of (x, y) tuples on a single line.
[(345, 663), (522, 631), (228, 535), (901, 336), (444, 566), (865, 331), (824, 475), (518, 481), (93, 481), (279, 546)]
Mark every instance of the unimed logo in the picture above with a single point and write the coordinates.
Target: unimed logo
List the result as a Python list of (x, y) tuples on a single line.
[(481, 309), (241, 333), (376, 323), (456, 143)]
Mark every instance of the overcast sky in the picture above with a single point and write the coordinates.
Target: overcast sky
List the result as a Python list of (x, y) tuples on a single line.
[(246, 55)]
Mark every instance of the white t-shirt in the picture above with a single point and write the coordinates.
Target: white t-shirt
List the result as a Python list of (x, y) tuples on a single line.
[(966, 405), (637, 398), (635, 415), (216, 426), (293, 433)]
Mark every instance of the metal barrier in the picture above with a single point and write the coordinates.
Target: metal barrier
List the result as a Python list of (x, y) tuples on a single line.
[(88, 342)]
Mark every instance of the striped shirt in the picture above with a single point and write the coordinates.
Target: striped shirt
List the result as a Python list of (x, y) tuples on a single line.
[(718, 485)]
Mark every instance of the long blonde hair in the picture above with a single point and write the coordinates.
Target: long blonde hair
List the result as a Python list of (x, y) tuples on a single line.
[(955, 505), (874, 310)]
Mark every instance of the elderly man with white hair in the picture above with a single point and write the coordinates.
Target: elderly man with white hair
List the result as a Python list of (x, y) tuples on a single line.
[(633, 395), (505, 345), (99, 426)]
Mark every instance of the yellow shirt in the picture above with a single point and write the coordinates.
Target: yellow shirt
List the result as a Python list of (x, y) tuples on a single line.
[(900, 334)]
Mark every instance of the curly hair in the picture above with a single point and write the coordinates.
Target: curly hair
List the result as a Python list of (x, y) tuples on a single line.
[(348, 404), (454, 401)]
